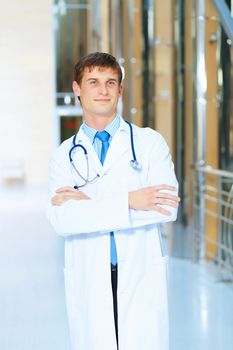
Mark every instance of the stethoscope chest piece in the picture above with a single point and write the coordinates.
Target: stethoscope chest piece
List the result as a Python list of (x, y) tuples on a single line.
[(135, 165)]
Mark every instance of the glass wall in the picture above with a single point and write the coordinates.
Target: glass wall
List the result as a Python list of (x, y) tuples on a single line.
[(71, 28), (72, 38), (225, 91), (204, 122)]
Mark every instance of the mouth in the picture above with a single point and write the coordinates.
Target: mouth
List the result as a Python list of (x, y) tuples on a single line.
[(102, 99)]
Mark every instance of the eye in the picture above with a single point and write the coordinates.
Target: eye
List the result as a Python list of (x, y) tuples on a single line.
[(112, 83), (92, 82)]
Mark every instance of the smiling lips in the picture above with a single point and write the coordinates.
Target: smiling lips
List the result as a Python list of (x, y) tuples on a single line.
[(102, 99)]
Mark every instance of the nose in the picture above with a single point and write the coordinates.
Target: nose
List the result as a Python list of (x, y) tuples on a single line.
[(103, 90)]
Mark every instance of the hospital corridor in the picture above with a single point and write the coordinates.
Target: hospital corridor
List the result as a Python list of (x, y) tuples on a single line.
[(163, 81)]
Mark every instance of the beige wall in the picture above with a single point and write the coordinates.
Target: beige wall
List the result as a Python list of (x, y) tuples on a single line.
[(27, 86)]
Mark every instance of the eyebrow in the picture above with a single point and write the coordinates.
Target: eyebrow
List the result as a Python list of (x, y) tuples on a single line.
[(113, 79), (110, 79)]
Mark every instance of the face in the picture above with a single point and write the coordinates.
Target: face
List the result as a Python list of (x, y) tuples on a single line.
[(99, 92)]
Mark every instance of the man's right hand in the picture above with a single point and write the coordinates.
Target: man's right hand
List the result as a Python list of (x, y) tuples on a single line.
[(64, 194), (153, 198)]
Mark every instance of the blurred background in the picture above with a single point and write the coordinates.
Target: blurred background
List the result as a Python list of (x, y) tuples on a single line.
[(178, 62)]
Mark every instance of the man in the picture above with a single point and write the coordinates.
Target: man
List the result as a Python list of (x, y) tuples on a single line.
[(109, 212)]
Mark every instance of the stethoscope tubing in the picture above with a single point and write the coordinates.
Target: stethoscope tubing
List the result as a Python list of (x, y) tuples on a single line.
[(132, 141), (76, 146), (134, 163)]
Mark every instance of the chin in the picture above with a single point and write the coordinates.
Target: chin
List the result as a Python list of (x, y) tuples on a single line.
[(104, 113)]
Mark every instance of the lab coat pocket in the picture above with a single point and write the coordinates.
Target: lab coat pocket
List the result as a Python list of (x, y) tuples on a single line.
[(159, 277)]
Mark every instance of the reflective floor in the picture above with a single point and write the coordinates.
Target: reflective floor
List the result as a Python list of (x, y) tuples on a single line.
[(32, 309)]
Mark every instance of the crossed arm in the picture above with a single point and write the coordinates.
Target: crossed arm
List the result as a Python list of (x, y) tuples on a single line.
[(157, 202), (148, 198)]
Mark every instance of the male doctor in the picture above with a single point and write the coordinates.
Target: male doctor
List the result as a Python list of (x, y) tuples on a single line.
[(109, 213)]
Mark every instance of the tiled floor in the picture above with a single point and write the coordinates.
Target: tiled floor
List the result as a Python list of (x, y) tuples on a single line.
[(201, 308), (32, 309)]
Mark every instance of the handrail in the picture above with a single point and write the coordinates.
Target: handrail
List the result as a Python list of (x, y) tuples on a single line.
[(213, 200), (225, 17), (208, 169)]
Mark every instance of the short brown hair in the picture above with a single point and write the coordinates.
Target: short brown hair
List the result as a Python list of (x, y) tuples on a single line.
[(96, 59)]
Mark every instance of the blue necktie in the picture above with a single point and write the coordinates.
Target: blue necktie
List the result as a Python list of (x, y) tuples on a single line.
[(103, 136)]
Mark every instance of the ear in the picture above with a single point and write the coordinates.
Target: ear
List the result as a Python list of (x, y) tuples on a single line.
[(76, 88), (121, 88)]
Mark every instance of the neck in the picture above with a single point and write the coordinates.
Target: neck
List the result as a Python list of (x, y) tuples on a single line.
[(98, 122)]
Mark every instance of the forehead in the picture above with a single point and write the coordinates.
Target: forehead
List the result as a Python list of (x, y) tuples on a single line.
[(100, 73)]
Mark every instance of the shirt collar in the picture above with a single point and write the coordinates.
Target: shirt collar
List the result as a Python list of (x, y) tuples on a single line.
[(110, 128)]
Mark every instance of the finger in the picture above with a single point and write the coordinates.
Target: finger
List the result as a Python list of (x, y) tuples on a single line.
[(166, 202), (162, 210), (65, 189), (60, 197), (167, 196), (165, 187), (56, 201)]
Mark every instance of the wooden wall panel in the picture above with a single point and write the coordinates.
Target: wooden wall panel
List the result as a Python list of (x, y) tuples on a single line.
[(211, 125), (164, 71)]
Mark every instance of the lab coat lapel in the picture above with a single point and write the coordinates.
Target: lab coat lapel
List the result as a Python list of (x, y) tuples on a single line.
[(120, 145)]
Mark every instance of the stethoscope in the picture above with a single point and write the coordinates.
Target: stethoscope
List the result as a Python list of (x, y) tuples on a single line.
[(134, 163)]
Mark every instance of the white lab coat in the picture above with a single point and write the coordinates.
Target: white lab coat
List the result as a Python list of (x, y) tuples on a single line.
[(142, 285)]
